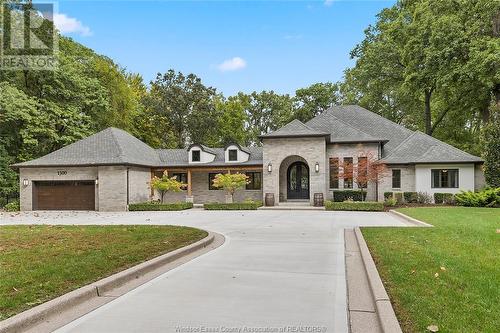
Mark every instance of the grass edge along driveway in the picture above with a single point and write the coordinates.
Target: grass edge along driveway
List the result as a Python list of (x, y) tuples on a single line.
[(39, 263), (447, 275)]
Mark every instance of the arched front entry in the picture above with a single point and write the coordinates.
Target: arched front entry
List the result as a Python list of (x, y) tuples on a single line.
[(297, 181)]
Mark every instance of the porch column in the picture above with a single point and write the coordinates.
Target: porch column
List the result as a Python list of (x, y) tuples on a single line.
[(189, 197)]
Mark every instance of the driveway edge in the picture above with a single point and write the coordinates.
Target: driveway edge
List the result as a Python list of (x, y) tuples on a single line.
[(409, 219), (387, 318), (30, 318)]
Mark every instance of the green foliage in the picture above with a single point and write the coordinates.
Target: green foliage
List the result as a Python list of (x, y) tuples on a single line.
[(343, 195), (388, 195), (246, 205), (312, 101), (410, 197), (155, 205), (12, 206), (166, 184), (489, 197), (446, 198), (399, 197), (355, 205), (230, 181), (491, 151), (390, 202)]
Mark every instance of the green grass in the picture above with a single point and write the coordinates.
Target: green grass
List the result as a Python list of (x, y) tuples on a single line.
[(463, 249), (39, 263)]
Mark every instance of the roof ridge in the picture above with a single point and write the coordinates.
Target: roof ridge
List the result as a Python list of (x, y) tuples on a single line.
[(120, 150), (357, 129), (380, 116), (395, 149), (442, 142)]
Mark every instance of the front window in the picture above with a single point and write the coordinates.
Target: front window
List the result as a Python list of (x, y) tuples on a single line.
[(334, 172), (396, 178), (233, 154), (255, 180), (348, 172), (211, 177), (195, 155), (362, 172), (444, 178), (181, 177)]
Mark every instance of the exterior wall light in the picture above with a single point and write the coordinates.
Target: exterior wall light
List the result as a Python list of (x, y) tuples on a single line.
[(26, 182), (269, 167), (316, 167), (97, 181)]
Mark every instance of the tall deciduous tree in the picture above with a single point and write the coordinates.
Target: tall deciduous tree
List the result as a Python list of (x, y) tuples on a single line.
[(314, 100)]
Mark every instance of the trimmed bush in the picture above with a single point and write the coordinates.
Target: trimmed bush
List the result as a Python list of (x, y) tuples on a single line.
[(247, 205), (390, 202), (399, 197), (489, 197), (424, 198), (12, 206), (355, 195), (154, 205), (371, 206), (388, 195), (410, 197), (446, 198)]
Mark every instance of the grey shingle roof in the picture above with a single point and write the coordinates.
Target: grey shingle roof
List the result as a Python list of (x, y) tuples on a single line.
[(422, 148), (179, 157), (295, 128), (111, 146)]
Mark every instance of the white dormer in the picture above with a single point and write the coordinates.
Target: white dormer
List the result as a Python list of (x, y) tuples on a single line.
[(233, 153), (200, 154)]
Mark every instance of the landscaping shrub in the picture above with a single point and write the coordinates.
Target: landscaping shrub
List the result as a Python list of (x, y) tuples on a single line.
[(424, 198), (12, 206), (410, 197), (391, 202), (247, 205), (388, 195), (341, 196), (357, 206), (446, 198), (489, 197), (155, 205), (399, 197)]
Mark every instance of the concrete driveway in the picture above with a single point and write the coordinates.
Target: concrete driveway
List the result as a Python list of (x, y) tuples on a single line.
[(278, 271)]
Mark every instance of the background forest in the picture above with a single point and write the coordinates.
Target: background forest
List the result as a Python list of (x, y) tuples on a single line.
[(431, 65)]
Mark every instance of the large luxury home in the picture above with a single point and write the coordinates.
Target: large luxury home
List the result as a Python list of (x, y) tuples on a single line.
[(111, 169)]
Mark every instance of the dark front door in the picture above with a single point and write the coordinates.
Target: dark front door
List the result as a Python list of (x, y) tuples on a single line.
[(298, 181)]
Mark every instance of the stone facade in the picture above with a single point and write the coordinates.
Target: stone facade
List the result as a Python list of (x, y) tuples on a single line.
[(139, 184), (407, 180), (201, 192), (278, 150), (112, 188)]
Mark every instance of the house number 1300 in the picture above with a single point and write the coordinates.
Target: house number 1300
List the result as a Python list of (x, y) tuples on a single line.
[(62, 172)]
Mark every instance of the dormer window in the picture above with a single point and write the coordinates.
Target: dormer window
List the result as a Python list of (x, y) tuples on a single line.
[(195, 155), (233, 154)]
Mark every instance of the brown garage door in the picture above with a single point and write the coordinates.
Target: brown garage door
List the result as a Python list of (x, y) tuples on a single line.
[(64, 195)]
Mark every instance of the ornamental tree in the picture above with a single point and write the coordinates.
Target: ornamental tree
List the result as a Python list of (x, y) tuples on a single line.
[(367, 170), (166, 184), (230, 182)]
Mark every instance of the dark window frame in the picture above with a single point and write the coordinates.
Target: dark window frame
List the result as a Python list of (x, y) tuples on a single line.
[(451, 181), (211, 176), (181, 177), (334, 172), (397, 179), (251, 177), (348, 164), (232, 158), (198, 155)]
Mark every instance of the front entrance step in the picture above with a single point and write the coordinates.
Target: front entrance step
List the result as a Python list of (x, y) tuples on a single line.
[(281, 206)]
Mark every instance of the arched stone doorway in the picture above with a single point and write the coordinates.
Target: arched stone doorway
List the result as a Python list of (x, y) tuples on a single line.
[(297, 181), (294, 179)]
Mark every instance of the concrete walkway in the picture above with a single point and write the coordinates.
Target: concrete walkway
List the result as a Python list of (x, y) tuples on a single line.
[(277, 269)]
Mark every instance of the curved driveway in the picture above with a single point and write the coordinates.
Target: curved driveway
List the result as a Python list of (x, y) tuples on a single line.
[(278, 271)]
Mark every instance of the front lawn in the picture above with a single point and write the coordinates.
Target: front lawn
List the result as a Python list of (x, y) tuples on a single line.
[(39, 263), (448, 275)]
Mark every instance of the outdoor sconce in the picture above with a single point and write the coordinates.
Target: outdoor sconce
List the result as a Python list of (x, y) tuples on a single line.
[(316, 167), (26, 182), (97, 181), (269, 167)]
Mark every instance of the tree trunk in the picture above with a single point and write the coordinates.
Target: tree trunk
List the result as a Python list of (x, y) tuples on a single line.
[(485, 115), (427, 112), (496, 93)]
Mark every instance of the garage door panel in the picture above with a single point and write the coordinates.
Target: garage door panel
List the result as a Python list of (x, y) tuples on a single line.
[(64, 195)]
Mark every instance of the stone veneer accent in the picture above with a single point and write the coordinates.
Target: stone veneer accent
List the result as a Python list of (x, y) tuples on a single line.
[(112, 188), (407, 180), (139, 184), (276, 150)]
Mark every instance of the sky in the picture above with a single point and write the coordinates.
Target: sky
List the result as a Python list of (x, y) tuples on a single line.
[(231, 45)]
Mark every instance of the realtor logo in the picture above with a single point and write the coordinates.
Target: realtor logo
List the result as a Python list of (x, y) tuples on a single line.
[(28, 37)]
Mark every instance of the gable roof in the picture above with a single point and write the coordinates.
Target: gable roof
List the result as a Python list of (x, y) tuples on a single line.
[(202, 147), (295, 128), (111, 146), (179, 157)]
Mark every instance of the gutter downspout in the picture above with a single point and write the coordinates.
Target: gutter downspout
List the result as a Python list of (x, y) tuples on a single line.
[(128, 196)]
